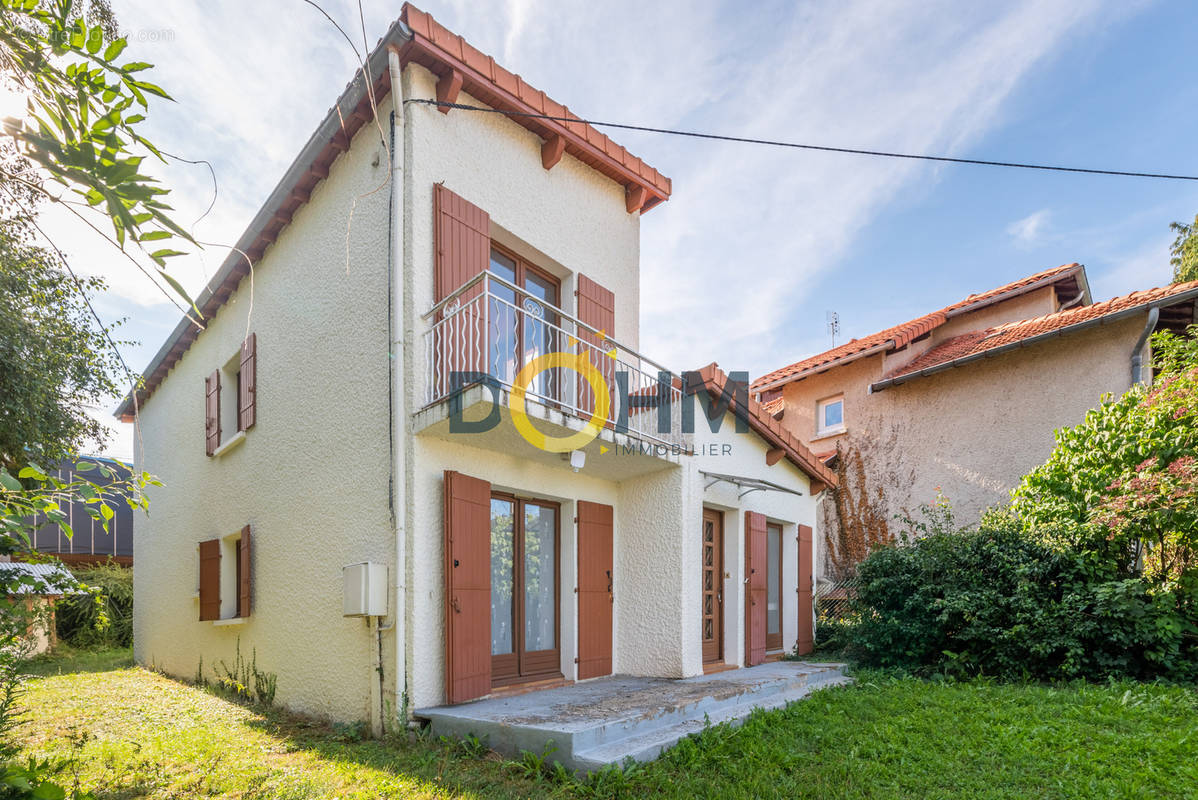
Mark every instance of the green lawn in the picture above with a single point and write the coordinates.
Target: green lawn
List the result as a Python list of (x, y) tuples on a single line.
[(139, 734)]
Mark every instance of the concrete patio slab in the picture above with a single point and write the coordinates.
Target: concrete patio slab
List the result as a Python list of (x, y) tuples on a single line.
[(609, 720)]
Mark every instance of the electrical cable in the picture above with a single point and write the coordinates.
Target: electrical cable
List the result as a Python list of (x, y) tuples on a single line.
[(800, 146)]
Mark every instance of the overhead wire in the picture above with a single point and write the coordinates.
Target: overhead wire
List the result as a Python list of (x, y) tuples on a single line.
[(804, 146)]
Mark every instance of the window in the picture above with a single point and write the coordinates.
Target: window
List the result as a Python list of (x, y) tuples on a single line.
[(522, 323), (239, 410), (773, 587), (524, 589), (226, 577), (829, 416)]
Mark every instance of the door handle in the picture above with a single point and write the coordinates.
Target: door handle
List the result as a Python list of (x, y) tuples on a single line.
[(456, 607)]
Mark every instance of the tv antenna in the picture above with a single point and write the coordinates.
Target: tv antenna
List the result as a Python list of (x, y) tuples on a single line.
[(833, 326)]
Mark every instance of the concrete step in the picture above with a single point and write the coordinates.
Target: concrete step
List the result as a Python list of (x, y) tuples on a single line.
[(608, 720), (648, 745)]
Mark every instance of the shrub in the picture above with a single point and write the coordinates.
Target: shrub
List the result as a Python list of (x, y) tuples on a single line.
[(997, 601), (1122, 485), (103, 619)]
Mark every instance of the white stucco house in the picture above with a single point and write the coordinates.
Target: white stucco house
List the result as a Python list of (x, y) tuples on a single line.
[(360, 411)]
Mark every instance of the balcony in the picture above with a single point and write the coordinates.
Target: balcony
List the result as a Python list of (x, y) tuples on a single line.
[(491, 343)]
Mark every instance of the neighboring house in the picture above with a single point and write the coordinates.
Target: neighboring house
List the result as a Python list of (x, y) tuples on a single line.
[(316, 423), (38, 587), (89, 543), (963, 401)]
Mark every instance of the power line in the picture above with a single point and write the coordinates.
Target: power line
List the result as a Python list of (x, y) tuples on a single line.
[(799, 146)]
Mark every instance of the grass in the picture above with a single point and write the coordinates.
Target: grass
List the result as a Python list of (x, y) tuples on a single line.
[(139, 734)]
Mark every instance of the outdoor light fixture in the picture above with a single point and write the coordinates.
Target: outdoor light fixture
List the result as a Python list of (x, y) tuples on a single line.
[(578, 459)]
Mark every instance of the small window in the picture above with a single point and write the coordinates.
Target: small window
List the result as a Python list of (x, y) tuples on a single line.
[(230, 399), (829, 416), (226, 577)]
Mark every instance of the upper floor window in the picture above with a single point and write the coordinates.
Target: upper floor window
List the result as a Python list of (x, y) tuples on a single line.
[(522, 323), (829, 415), (223, 420)]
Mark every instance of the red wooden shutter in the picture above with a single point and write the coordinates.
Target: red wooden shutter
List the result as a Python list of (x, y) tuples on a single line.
[(806, 611), (247, 384), (212, 412), (210, 579), (755, 589), (244, 582), (597, 308), (463, 241), (463, 237), (595, 589), (467, 587)]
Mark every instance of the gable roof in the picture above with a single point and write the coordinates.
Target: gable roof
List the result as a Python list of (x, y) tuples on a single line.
[(989, 342), (417, 38), (1070, 277), (713, 380)]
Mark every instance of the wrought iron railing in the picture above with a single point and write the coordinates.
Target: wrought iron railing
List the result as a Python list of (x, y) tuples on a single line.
[(489, 329)]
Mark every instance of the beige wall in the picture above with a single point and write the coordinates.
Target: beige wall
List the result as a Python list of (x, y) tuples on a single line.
[(972, 431), (310, 478)]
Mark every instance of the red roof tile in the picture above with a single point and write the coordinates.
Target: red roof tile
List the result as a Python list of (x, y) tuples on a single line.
[(443, 51), (981, 341), (902, 335), (713, 379)]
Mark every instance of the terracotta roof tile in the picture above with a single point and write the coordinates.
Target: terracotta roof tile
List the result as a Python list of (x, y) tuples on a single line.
[(981, 341), (592, 146), (713, 379), (772, 407), (903, 334)]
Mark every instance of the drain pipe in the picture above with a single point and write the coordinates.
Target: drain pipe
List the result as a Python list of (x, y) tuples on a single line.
[(1137, 355), (398, 410)]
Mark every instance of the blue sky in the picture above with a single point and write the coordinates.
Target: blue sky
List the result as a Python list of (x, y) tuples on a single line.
[(757, 243)]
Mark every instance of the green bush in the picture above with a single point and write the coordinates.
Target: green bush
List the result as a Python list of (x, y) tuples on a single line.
[(997, 601), (103, 619)]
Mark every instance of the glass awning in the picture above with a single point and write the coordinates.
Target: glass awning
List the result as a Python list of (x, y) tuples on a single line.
[(746, 485)]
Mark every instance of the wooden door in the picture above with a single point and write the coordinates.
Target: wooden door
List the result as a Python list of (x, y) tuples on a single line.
[(806, 612), (595, 589), (467, 587), (524, 591), (755, 588), (712, 601)]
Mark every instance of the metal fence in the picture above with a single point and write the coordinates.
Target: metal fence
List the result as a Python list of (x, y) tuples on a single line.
[(834, 599)]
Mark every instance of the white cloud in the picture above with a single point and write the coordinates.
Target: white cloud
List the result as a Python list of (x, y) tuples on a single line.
[(1028, 232)]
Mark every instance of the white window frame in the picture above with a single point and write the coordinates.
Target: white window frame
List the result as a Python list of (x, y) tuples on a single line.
[(820, 406)]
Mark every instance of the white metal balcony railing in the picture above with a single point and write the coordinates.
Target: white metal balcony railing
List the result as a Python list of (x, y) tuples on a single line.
[(489, 329)]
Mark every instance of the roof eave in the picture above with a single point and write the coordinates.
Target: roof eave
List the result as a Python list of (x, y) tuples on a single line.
[(816, 370), (330, 126), (1031, 340)]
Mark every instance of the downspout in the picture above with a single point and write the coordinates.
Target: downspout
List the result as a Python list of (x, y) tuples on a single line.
[(398, 408), (1137, 355)]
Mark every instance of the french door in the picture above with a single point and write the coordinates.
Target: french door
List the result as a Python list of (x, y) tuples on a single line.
[(712, 601), (522, 324), (525, 570)]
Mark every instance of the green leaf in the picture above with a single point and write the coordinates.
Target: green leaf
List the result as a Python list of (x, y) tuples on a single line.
[(151, 236), (95, 40), (9, 482), (113, 50)]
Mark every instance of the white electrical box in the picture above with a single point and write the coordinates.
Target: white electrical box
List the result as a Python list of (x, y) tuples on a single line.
[(365, 590)]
